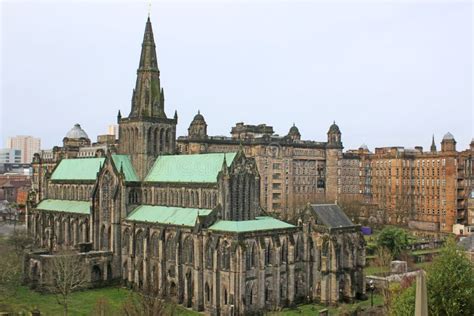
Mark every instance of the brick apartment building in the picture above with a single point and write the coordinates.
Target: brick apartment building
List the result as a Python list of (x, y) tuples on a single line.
[(427, 191)]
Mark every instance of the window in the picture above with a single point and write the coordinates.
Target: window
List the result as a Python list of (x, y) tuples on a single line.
[(139, 243), (170, 248), (283, 252), (268, 253), (299, 249), (225, 256), (188, 250), (250, 256), (209, 255)]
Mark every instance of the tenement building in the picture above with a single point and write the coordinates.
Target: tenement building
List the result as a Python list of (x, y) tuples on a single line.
[(293, 171), (427, 191), (191, 227)]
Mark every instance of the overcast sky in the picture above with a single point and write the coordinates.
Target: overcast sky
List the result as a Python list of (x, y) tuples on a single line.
[(388, 73)]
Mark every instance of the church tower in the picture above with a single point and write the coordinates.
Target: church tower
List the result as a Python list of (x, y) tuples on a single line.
[(147, 132)]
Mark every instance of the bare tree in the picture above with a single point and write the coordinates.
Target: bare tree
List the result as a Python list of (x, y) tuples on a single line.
[(383, 257), (68, 274), (11, 261), (10, 214), (147, 303), (102, 307), (10, 269), (20, 241)]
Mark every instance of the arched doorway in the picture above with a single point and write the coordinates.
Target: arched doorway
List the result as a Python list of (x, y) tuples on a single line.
[(96, 275), (172, 290), (109, 272)]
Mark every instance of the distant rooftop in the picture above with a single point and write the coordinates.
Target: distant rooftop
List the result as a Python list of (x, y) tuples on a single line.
[(76, 132), (331, 215)]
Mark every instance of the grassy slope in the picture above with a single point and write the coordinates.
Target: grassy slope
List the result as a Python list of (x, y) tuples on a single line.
[(313, 309), (81, 303)]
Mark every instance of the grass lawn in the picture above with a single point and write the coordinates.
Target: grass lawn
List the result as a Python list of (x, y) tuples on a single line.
[(313, 309), (81, 303)]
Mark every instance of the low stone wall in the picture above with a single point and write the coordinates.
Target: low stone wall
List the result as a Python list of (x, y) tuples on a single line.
[(38, 264), (381, 282)]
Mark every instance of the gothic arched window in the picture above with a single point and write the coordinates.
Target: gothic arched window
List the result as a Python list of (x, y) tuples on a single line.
[(209, 254), (250, 256), (299, 249), (268, 253), (170, 248), (104, 238), (126, 242), (188, 250), (154, 245), (225, 256), (208, 293), (284, 252), (139, 243), (249, 296)]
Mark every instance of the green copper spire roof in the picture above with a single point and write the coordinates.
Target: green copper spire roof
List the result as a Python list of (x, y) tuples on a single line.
[(80, 207), (125, 163), (167, 215), (78, 169), (258, 224), (201, 168)]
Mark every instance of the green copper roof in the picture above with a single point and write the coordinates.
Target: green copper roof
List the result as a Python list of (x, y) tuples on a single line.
[(201, 168), (167, 215), (78, 169), (260, 223), (81, 207), (124, 161)]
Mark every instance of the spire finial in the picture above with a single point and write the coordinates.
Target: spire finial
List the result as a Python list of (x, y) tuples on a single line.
[(149, 8), (293, 123), (433, 145), (199, 111)]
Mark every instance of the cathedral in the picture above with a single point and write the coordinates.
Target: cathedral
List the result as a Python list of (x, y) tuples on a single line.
[(189, 227)]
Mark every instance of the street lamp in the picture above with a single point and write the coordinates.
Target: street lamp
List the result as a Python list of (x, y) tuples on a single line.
[(372, 288)]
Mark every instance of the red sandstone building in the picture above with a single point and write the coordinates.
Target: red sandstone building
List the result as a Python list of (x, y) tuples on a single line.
[(428, 191)]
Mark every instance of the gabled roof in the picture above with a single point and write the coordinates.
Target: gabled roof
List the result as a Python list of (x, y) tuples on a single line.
[(78, 169), (331, 215), (81, 207), (124, 162), (258, 224), (167, 215), (200, 168)]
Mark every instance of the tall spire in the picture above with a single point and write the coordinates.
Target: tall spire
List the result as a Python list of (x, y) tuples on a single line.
[(147, 98), (148, 55), (433, 145)]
